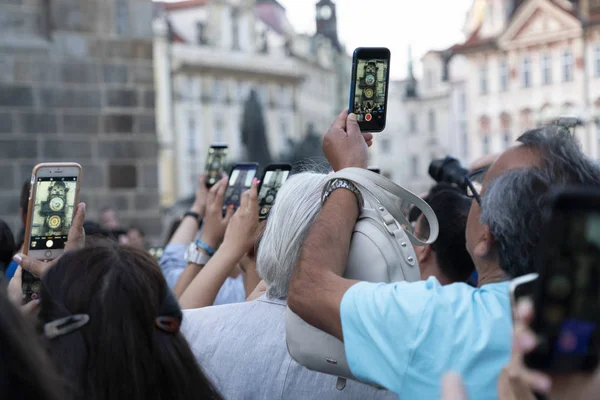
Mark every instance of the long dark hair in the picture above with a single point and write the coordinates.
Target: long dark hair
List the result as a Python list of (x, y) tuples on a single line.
[(120, 353), (26, 371), (7, 245)]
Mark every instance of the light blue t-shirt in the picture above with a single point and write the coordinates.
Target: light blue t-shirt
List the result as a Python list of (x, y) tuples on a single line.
[(406, 336)]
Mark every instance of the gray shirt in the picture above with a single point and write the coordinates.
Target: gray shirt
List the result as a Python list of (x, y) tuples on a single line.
[(242, 349)]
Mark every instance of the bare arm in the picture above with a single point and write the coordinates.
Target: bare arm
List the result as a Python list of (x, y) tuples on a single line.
[(239, 239), (317, 287), (205, 286), (188, 228)]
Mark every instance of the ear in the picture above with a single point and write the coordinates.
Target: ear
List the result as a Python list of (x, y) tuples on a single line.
[(423, 253), (485, 243)]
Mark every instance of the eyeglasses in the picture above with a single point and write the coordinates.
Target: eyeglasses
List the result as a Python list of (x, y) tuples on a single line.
[(474, 182)]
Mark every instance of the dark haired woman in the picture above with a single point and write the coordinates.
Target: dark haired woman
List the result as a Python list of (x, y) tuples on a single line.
[(112, 326)]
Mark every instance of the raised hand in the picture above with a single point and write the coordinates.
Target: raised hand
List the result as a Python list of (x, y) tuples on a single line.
[(242, 230), (344, 145), (199, 205), (215, 222)]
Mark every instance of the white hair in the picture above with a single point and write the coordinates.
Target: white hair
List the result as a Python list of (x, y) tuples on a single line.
[(297, 205)]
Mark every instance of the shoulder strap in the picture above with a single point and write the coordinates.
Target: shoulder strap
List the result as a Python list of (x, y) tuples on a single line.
[(381, 188)]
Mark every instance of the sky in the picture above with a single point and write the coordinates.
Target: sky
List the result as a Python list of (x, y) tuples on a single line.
[(395, 24)]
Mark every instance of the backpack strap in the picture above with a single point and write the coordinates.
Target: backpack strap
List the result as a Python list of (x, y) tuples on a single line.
[(390, 196)]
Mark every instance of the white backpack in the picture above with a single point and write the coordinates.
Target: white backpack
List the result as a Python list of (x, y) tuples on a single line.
[(381, 251)]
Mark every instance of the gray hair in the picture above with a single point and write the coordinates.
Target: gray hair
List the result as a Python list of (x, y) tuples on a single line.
[(512, 205), (297, 205), (512, 209)]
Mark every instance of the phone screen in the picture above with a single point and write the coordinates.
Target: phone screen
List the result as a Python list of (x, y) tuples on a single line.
[(270, 185), (214, 164), (370, 88), (52, 212), (567, 302), (240, 180)]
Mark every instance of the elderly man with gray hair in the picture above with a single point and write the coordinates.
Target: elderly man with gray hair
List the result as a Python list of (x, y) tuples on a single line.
[(242, 346), (404, 336)]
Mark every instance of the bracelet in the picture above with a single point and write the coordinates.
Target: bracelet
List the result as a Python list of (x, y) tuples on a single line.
[(209, 250), (195, 215), (338, 183)]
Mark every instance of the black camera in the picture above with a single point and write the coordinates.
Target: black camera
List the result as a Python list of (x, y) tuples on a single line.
[(448, 170)]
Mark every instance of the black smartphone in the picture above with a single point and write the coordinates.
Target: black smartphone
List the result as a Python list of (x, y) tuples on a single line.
[(217, 154), (567, 304), (375, 169), (369, 87), (273, 178), (240, 180)]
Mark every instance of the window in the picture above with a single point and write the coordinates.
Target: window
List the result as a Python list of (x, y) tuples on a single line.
[(191, 134), (414, 166), (465, 143), (284, 137), (567, 66), (431, 118), (386, 146), (412, 122), (506, 140), (483, 79), (503, 67), (547, 69), (486, 144), (526, 72), (235, 34), (122, 19), (201, 33), (597, 60), (217, 90), (218, 135)]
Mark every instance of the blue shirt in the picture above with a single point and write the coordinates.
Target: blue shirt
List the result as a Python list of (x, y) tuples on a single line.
[(406, 336)]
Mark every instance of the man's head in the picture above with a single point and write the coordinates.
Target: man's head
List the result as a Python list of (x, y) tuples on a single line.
[(504, 230), (447, 258), (297, 205), (109, 219)]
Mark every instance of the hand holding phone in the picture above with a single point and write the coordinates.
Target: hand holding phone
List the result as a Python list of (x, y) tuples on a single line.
[(240, 180), (217, 155), (273, 178), (567, 305), (52, 204), (369, 87)]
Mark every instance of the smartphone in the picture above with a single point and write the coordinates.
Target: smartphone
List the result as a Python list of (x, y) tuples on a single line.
[(52, 202), (522, 287), (369, 87), (215, 161), (240, 180), (375, 169), (273, 178), (566, 300)]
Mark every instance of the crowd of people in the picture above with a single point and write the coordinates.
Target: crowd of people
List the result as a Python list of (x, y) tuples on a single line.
[(208, 319)]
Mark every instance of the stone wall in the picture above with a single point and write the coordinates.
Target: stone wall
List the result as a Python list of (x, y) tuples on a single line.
[(77, 84)]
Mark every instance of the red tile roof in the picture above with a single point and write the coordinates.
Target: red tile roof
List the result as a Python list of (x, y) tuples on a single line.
[(181, 5)]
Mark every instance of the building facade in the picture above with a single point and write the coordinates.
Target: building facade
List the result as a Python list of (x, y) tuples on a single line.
[(529, 63), (429, 121), (77, 84), (210, 55)]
